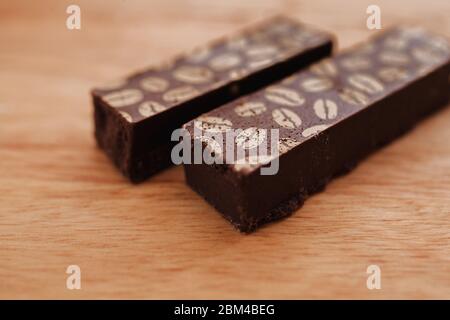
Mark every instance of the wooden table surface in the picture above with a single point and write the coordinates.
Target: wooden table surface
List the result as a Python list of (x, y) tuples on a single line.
[(63, 203)]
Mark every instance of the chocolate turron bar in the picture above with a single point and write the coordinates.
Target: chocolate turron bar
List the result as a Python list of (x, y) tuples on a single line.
[(134, 118), (328, 118)]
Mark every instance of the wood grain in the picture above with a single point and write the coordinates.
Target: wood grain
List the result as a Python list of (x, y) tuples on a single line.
[(63, 203)]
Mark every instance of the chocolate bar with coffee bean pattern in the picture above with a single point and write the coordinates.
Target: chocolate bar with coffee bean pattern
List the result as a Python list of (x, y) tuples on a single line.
[(327, 118), (134, 118)]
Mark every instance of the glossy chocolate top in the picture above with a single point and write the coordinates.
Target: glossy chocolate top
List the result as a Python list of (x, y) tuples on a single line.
[(157, 89), (311, 101)]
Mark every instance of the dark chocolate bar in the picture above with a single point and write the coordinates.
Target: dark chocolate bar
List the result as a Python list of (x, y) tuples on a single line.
[(134, 118), (329, 117)]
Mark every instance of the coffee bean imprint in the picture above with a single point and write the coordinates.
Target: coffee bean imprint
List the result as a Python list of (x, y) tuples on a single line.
[(314, 130), (180, 94), (238, 73), (261, 51), (286, 118), (427, 56), (365, 83), (284, 96), (325, 109), (324, 68), (440, 44), (354, 97), (394, 58), (123, 97), (154, 84), (410, 33), (392, 74), (150, 108), (317, 84), (225, 62), (213, 124), (199, 55), (424, 69), (251, 137), (250, 109), (193, 74), (396, 43), (259, 63), (286, 144)]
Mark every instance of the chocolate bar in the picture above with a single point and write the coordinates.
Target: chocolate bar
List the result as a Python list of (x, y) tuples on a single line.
[(134, 118), (328, 117)]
